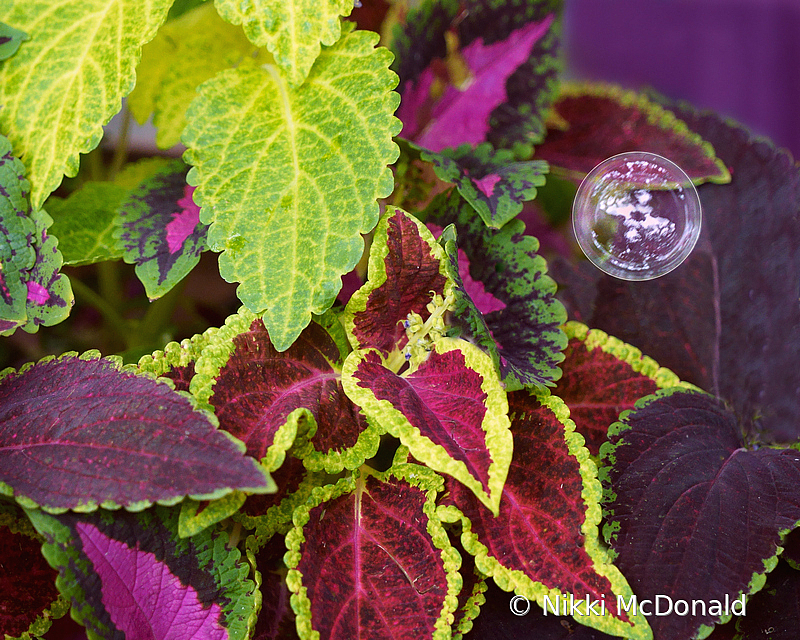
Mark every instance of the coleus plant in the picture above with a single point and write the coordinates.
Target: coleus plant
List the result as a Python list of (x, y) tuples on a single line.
[(451, 440)]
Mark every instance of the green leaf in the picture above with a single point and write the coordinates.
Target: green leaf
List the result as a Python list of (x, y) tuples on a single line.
[(10, 39), (60, 89), (197, 515), (186, 52), (289, 208), (292, 30)]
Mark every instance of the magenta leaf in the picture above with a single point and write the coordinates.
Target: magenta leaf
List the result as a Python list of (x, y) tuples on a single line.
[(405, 269), (602, 377), (545, 543), (369, 559), (599, 121), (468, 76), (524, 337), (29, 599), (76, 433), (268, 398), (160, 230), (130, 575), (450, 411), (678, 482), (727, 320), (493, 182)]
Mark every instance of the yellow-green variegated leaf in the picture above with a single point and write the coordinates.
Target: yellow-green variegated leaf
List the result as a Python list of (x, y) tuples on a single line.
[(59, 90), (186, 52), (292, 30), (288, 178)]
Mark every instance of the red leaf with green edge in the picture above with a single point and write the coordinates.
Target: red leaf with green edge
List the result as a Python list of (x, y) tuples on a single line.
[(177, 361), (269, 398), (602, 377), (450, 411), (774, 612), (476, 71), (727, 320), (524, 338), (493, 182), (29, 600), (497, 622), (368, 558), (691, 513), (544, 542), (471, 597), (405, 267), (130, 573), (600, 121), (160, 230), (791, 549), (76, 433), (276, 620)]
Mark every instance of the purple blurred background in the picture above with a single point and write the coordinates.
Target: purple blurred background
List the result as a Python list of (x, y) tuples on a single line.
[(740, 58)]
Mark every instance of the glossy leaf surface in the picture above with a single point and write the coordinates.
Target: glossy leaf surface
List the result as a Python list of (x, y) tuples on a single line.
[(60, 89), (77, 433), (692, 514), (130, 573), (288, 235), (369, 559), (544, 542)]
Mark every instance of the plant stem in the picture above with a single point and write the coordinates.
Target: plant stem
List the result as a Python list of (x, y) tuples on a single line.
[(157, 317), (121, 150), (109, 313)]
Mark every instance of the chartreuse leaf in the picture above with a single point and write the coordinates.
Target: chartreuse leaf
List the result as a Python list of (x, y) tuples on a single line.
[(131, 575), (29, 600), (519, 322), (597, 121), (177, 361), (115, 438), (450, 411), (185, 53), (679, 481), (544, 542), (160, 230), (292, 30), (268, 398), (602, 377), (405, 270), (368, 557), (60, 89), (10, 39), (288, 212), (491, 181), (484, 74), (197, 515)]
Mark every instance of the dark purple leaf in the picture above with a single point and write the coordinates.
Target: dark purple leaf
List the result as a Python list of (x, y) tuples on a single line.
[(160, 229), (130, 573), (405, 267), (450, 411), (728, 320), (497, 622), (693, 514), (774, 612), (472, 71), (491, 181), (276, 620), (268, 398), (524, 337), (77, 432), (602, 377), (544, 542), (601, 121), (371, 561), (791, 549)]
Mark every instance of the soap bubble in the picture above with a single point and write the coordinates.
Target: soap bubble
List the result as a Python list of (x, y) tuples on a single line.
[(636, 216)]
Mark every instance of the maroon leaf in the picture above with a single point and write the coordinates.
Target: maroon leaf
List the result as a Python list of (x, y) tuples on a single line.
[(602, 121), (75, 433), (370, 561), (774, 612), (602, 377), (258, 391), (544, 542), (694, 515), (404, 269), (728, 319)]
